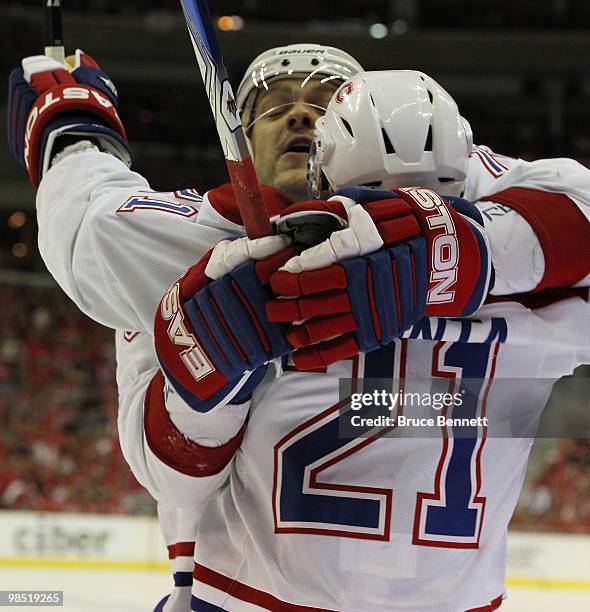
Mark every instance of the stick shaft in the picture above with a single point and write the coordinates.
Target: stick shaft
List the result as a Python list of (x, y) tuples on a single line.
[(53, 31), (229, 127)]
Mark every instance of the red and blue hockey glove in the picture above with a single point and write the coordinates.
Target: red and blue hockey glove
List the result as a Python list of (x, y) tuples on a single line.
[(358, 304), (353, 222), (211, 329), (50, 107)]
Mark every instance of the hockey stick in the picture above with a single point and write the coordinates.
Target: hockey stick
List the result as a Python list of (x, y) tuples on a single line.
[(54, 44), (229, 127)]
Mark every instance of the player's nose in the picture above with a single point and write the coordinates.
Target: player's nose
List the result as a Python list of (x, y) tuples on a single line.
[(300, 116)]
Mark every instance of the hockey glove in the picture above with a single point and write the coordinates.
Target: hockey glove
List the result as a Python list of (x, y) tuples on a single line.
[(362, 303), (353, 222), (211, 329), (51, 106)]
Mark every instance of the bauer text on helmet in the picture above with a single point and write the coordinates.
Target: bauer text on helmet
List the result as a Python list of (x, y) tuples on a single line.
[(302, 61)]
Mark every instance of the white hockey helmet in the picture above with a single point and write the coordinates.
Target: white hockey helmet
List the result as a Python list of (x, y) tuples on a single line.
[(394, 128), (304, 61)]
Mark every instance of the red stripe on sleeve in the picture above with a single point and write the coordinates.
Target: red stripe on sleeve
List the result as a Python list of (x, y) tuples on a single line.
[(562, 229), (224, 202), (541, 300), (181, 549), (172, 447)]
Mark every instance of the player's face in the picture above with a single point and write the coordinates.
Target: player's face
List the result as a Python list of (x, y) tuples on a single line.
[(283, 131)]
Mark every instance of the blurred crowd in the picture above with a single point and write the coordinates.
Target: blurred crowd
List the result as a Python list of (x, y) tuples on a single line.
[(58, 409), (558, 497)]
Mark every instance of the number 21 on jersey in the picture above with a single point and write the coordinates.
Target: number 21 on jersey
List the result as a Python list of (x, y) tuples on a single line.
[(449, 515)]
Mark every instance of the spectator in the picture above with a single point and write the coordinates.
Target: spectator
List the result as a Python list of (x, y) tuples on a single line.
[(58, 444)]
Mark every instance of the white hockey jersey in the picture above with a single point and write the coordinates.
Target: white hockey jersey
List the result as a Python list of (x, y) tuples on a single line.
[(302, 517), (389, 520)]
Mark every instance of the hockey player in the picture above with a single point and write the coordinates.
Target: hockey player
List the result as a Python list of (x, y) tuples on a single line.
[(297, 516), (401, 129), (76, 118)]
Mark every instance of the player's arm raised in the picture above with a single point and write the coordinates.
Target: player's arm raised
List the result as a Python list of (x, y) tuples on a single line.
[(115, 246), (101, 226), (51, 107)]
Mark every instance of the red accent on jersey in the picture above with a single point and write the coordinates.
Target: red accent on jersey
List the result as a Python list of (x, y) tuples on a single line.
[(562, 230), (192, 195), (493, 605), (490, 161), (265, 600), (313, 484), (172, 447), (145, 202), (437, 496), (181, 549), (223, 200), (242, 591)]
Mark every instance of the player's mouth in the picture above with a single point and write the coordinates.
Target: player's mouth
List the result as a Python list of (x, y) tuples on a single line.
[(298, 146)]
